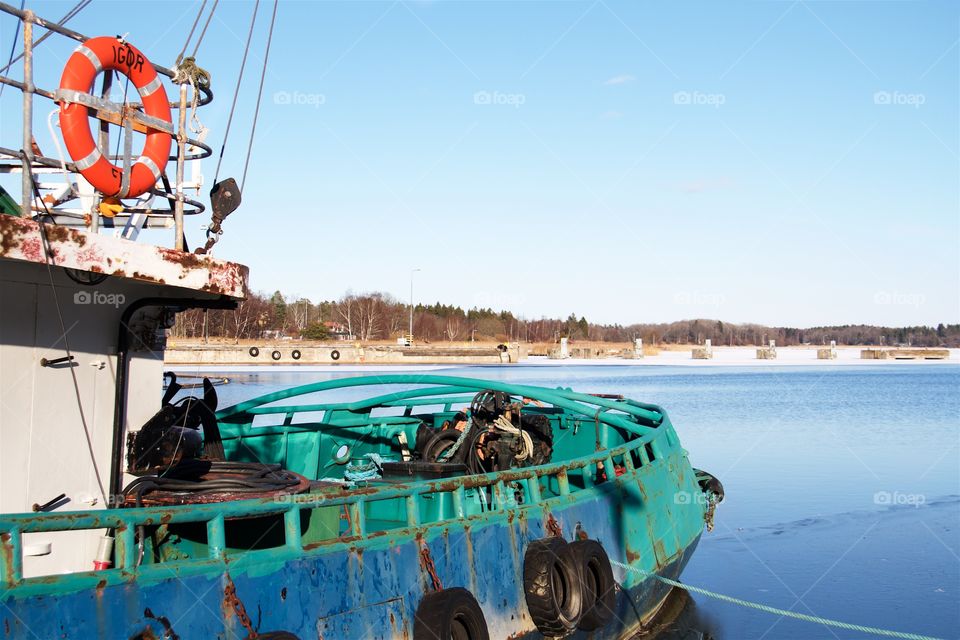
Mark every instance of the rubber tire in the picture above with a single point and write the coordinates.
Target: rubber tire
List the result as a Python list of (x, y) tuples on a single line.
[(599, 587), (439, 611), (334, 355), (295, 354), (709, 483), (275, 355), (555, 614), (253, 351), (432, 451)]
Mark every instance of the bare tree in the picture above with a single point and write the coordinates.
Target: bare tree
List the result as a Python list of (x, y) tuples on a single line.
[(241, 318), (453, 328), (369, 315), (346, 310)]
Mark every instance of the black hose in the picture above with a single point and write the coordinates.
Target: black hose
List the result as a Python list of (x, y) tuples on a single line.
[(186, 478)]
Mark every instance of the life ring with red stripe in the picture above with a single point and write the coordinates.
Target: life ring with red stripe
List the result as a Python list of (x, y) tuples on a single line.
[(105, 53)]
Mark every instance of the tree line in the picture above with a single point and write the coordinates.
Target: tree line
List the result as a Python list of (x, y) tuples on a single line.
[(380, 316)]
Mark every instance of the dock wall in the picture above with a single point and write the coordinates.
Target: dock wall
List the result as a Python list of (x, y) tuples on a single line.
[(336, 353)]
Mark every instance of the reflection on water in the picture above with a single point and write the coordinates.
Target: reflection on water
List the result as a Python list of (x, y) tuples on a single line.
[(842, 486), (679, 619)]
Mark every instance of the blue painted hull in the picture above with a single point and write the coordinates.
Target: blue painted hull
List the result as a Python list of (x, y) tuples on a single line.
[(361, 593)]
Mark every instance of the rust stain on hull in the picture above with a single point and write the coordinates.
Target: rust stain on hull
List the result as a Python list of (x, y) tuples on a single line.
[(231, 602), (168, 631)]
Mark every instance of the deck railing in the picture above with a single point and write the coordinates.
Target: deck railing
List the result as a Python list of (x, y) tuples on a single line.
[(631, 456)]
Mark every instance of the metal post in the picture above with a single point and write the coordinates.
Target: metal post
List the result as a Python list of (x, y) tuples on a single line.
[(104, 142), (27, 182), (412, 271), (181, 142)]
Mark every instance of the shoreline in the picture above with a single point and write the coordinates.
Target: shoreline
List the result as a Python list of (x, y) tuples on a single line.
[(211, 358), (542, 362)]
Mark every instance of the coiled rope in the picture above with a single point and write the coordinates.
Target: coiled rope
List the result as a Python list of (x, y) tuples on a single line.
[(449, 453), (189, 72), (364, 471), (504, 424), (774, 610)]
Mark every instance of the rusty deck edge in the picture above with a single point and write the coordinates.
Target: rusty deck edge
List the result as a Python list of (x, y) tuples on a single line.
[(21, 239)]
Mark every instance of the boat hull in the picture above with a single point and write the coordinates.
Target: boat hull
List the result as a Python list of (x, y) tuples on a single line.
[(371, 589)]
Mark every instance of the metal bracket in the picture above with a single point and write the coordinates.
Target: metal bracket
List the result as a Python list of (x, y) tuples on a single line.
[(114, 113), (56, 361)]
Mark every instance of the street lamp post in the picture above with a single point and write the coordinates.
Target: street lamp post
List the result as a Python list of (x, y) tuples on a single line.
[(412, 271)]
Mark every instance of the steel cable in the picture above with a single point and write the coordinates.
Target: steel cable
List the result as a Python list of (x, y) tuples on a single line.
[(256, 112), (236, 91)]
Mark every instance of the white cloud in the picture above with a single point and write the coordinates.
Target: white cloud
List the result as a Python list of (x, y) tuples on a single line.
[(621, 79)]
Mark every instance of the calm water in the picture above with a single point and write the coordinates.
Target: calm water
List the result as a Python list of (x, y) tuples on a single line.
[(842, 483)]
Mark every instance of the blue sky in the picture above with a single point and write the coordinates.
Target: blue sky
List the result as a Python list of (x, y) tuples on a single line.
[(778, 162)]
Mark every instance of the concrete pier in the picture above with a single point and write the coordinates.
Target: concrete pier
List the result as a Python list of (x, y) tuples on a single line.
[(904, 354), (767, 353), (338, 353), (702, 353), (828, 353)]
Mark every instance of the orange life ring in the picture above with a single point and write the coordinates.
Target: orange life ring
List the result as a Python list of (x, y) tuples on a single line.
[(89, 59)]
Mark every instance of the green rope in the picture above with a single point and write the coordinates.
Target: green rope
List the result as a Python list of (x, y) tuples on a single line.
[(449, 453), (364, 471), (781, 612)]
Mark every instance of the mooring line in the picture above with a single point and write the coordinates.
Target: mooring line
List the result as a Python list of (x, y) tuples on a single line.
[(774, 610)]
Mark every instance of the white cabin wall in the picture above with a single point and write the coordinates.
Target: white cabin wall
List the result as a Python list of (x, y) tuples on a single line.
[(43, 449), (17, 379)]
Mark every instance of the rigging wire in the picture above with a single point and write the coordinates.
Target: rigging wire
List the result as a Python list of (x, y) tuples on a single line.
[(196, 21), (256, 111), (203, 31), (236, 91), (126, 87), (206, 24), (188, 70), (13, 44), (80, 6)]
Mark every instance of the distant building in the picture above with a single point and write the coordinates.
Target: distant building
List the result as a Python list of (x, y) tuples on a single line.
[(338, 331)]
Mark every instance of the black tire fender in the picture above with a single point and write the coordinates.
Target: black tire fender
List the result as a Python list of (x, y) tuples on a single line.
[(334, 355), (275, 355), (439, 443), (599, 587), (709, 484), (553, 586), (449, 613), (295, 354), (253, 351)]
